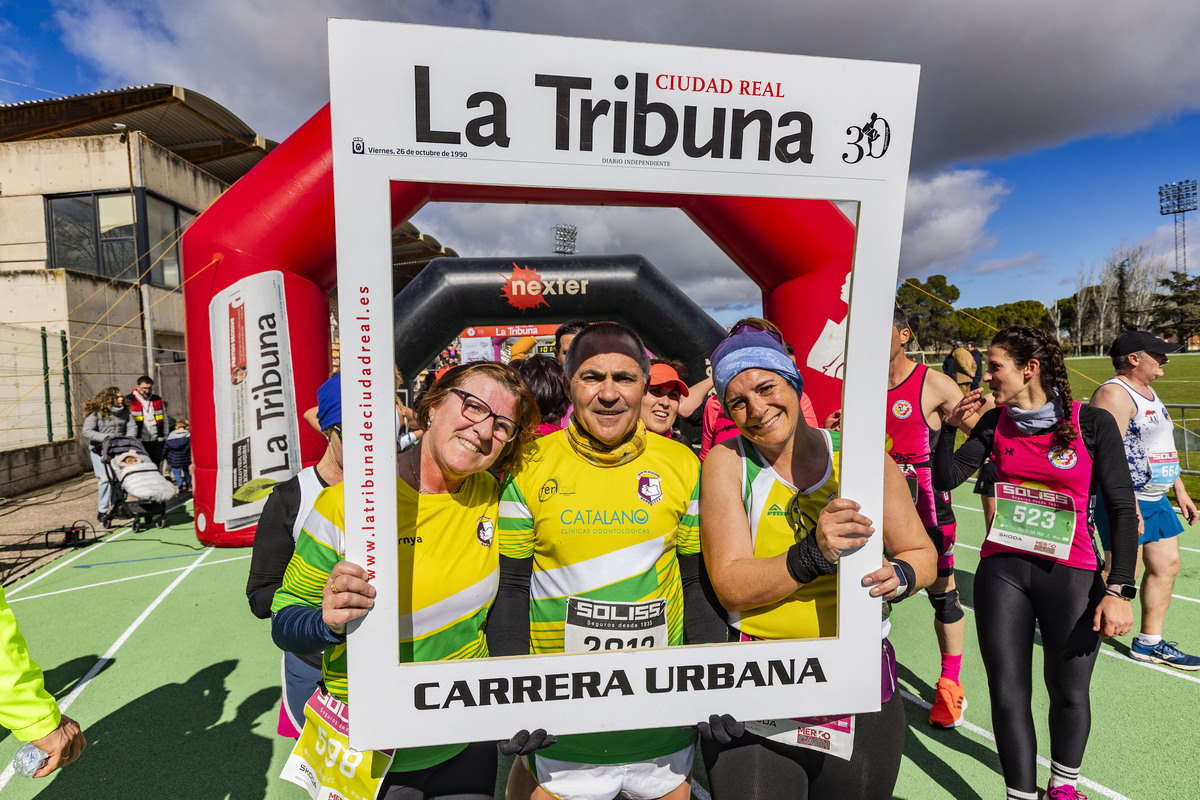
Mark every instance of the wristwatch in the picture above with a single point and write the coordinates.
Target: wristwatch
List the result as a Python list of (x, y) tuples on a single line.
[(1126, 591)]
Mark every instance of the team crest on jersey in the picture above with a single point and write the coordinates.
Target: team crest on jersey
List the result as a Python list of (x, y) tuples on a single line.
[(1150, 417), (1063, 457), (649, 487), (901, 409), (776, 510), (485, 529)]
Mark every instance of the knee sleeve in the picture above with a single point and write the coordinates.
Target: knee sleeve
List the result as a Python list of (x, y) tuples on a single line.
[(946, 607)]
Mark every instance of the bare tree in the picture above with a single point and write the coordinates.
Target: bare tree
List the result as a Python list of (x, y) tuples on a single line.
[(1081, 307), (1143, 275), (1104, 299)]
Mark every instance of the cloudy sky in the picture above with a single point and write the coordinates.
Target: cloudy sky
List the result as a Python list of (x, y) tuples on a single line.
[(1043, 129)]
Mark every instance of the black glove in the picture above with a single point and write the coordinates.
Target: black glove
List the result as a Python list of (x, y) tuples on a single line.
[(721, 728), (523, 742)]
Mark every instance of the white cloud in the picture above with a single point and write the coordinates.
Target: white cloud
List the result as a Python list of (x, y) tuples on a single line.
[(945, 220), (996, 78)]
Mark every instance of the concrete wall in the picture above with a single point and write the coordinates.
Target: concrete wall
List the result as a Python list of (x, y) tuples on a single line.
[(29, 171), (31, 467), (103, 318)]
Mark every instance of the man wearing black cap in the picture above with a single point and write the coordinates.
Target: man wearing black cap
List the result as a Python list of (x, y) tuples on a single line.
[(1138, 358)]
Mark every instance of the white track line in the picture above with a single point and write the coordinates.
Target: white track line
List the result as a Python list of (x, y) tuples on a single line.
[(66, 702), (122, 580), (978, 731), (89, 549), (65, 562)]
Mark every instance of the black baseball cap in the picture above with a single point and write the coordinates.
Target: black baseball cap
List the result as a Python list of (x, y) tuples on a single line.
[(1138, 342)]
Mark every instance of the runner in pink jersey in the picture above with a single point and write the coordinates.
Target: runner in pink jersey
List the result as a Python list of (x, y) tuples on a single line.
[(917, 400), (1038, 568)]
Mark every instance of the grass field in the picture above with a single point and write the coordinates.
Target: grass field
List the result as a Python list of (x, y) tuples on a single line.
[(147, 638)]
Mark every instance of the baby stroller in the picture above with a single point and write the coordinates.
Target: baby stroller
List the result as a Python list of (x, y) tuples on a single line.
[(144, 512)]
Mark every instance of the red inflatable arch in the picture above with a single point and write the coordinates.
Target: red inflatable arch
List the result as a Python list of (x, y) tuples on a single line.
[(279, 217)]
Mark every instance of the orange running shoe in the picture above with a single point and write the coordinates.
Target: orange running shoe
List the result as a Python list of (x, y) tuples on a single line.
[(947, 711)]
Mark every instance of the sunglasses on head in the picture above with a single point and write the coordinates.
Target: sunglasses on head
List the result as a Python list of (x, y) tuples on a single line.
[(750, 327)]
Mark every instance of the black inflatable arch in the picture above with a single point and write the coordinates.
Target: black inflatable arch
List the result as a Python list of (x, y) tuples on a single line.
[(452, 293)]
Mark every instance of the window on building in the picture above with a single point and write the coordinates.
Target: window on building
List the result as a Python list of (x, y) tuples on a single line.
[(96, 233), (165, 222)]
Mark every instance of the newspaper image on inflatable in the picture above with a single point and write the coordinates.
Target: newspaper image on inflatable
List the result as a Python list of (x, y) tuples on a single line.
[(258, 439)]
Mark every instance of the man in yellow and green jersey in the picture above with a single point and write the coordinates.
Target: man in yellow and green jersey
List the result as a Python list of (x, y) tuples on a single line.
[(600, 523)]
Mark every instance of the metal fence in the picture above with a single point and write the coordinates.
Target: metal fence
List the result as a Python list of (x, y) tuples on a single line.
[(1187, 435), (35, 387)]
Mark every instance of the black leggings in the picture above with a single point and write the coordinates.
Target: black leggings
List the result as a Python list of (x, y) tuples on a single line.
[(470, 775), (1012, 593), (754, 768)]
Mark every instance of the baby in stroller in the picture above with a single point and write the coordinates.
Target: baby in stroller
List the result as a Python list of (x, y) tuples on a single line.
[(140, 477)]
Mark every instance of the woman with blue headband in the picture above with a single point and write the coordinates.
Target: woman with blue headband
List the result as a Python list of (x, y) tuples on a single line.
[(776, 575)]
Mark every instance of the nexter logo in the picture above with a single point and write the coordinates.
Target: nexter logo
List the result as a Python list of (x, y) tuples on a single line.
[(524, 288)]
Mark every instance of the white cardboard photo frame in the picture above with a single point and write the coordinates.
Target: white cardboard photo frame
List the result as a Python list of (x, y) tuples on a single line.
[(376, 119)]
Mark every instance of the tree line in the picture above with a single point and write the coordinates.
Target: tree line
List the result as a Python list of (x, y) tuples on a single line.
[(1130, 290)]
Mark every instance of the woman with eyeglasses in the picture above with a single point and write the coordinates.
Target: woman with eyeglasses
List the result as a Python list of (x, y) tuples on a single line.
[(1038, 569), (477, 417), (776, 576)]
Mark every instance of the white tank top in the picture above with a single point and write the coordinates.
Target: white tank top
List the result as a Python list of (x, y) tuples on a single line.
[(310, 487), (1150, 445)]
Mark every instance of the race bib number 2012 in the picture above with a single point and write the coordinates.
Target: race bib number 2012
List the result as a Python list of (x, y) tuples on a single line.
[(611, 625)]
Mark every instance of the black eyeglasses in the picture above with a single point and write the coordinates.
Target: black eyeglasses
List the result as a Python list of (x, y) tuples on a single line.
[(1161, 358), (475, 410), (752, 328)]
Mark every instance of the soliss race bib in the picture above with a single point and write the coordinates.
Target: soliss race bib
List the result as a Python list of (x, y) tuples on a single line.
[(1164, 469), (1038, 521), (323, 761), (611, 625)]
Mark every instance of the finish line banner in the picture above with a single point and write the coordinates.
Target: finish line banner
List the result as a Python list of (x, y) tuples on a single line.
[(423, 114)]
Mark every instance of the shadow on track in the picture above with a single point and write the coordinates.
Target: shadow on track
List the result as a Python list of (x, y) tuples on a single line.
[(171, 742)]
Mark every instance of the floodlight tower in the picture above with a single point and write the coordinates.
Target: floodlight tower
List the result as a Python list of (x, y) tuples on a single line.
[(1177, 199), (564, 238)]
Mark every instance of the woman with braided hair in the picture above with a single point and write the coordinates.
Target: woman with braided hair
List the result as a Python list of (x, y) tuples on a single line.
[(1038, 566)]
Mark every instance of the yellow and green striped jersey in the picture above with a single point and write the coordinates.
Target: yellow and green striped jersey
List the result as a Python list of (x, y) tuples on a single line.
[(448, 576), (811, 611), (603, 533)]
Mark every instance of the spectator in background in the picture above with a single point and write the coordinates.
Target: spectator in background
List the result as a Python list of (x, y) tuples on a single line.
[(975, 354), (150, 415), (664, 392), (275, 541), (105, 415), (964, 367), (26, 708), (563, 336), (544, 377), (178, 452), (521, 348)]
